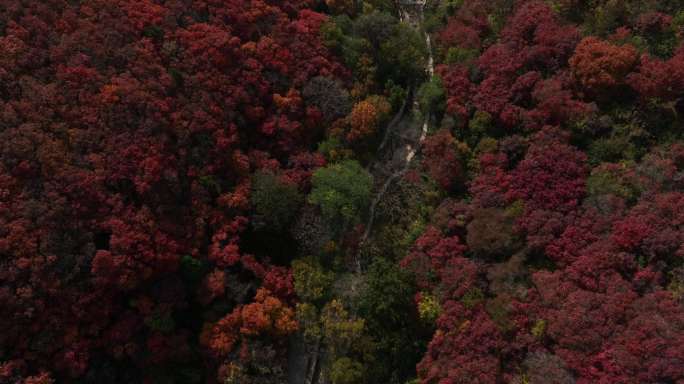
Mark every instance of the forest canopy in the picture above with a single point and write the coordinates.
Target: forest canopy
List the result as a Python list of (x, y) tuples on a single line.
[(342, 191)]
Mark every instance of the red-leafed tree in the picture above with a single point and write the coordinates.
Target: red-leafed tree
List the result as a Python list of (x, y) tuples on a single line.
[(551, 176), (464, 347), (600, 66), (441, 159), (458, 89), (661, 79), (430, 256), (129, 134)]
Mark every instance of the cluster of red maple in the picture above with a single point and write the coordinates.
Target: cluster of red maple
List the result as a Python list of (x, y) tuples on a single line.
[(155, 155), (567, 264), (128, 133)]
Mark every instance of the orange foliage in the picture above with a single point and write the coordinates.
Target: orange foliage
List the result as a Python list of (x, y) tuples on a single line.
[(222, 336), (366, 117), (291, 102), (214, 286), (43, 378), (266, 315), (599, 65), (363, 119)]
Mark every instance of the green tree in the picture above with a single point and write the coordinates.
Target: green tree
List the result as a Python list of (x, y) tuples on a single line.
[(460, 55), (346, 371), (387, 306), (432, 97), (377, 47), (376, 27), (342, 331), (311, 282), (342, 191), (338, 36), (402, 57), (275, 202)]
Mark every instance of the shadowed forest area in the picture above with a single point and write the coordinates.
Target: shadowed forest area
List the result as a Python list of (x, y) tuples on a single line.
[(342, 191)]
